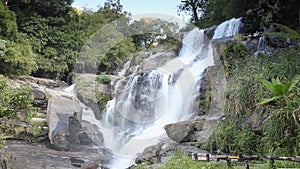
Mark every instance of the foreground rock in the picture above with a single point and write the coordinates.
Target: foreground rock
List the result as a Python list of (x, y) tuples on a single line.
[(68, 132), (32, 156), (184, 131), (162, 152)]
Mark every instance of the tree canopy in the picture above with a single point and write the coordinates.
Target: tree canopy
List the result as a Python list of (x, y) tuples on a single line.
[(256, 13)]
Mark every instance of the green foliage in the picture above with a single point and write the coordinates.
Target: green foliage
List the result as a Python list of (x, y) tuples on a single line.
[(102, 99), (147, 31), (234, 53), (55, 43), (278, 89), (8, 25), (15, 52), (289, 33), (15, 100), (16, 58), (257, 14), (180, 161), (103, 78), (193, 8), (245, 90), (229, 138), (143, 165), (2, 140)]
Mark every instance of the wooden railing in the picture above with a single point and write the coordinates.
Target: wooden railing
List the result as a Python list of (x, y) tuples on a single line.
[(240, 159), (273, 158)]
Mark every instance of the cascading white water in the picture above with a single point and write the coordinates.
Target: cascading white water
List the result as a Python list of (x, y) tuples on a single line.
[(261, 44), (227, 28), (144, 103)]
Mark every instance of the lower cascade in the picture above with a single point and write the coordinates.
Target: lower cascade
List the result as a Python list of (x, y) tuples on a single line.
[(145, 102)]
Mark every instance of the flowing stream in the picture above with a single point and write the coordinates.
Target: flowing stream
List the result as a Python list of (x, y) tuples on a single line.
[(145, 102)]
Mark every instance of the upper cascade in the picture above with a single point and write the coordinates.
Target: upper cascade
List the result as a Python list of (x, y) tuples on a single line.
[(228, 28)]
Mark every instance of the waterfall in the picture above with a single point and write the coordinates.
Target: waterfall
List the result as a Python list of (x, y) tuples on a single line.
[(261, 44), (145, 102), (227, 28)]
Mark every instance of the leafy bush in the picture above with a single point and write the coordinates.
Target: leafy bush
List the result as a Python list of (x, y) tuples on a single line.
[(15, 100), (102, 99), (16, 58), (103, 78)]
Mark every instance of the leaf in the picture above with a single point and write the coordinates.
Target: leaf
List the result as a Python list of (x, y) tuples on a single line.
[(269, 85), (294, 83), (287, 87), (268, 100), (276, 81)]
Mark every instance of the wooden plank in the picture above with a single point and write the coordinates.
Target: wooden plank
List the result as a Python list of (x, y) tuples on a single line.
[(233, 157), (220, 157)]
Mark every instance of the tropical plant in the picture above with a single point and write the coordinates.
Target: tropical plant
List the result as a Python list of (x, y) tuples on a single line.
[(278, 89)]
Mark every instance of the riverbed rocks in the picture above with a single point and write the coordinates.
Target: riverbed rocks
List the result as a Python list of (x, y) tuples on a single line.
[(19, 154), (162, 152)]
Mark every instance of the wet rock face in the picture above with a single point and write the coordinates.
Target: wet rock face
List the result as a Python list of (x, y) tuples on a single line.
[(209, 32)]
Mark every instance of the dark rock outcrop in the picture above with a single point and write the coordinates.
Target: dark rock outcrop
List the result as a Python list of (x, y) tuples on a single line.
[(209, 32), (31, 156)]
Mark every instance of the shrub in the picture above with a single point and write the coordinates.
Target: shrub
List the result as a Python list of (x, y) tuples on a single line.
[(103, 78), (102, 99), (15, 100)]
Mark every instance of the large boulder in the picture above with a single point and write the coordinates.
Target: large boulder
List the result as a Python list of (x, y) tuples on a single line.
[(60, 109), (66, 129), (184, 131)]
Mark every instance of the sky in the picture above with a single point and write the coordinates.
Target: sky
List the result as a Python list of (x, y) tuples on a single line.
[(135, 7)]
